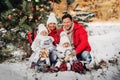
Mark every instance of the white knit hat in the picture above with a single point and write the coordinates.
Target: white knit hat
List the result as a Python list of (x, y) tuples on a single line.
[(52, 18), (63, 33), (42, 27), (64, 38)]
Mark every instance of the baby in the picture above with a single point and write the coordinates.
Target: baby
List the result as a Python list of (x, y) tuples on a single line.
[(64, 51), (41, 46)]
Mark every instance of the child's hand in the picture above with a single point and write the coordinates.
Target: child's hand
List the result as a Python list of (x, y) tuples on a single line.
[(67, 58), (62, 60)]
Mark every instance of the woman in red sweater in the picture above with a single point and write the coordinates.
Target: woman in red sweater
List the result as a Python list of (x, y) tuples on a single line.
[(52, 29)]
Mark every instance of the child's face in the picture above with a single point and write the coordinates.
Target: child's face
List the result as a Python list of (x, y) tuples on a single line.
[(65, 45), (43, 33)]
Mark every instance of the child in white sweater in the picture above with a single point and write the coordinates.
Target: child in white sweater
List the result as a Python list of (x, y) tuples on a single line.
[(41, 46), (64, 50)]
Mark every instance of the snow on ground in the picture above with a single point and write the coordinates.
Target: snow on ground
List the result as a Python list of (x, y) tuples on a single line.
[(104, 39)]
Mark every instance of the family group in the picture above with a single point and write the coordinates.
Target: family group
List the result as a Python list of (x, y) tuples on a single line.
[(62, 49)]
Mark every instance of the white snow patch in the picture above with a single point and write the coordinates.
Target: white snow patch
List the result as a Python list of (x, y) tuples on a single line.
[(104, 39)]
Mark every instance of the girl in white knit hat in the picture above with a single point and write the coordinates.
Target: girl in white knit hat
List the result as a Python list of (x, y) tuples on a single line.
[(64, 51), (52, 27), (42, 44)]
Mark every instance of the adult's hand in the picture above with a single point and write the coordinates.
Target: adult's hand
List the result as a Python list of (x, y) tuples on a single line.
[(74, 53), (49, 31)]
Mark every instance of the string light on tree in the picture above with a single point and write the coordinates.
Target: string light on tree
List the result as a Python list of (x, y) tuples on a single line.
[(37, 1), (29, 0)]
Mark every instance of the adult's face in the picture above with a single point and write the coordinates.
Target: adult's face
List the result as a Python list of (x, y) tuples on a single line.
[(67, 23), (51, 26)]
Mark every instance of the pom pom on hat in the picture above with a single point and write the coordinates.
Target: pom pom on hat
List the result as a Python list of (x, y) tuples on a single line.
[(41, 28), (52, 18)]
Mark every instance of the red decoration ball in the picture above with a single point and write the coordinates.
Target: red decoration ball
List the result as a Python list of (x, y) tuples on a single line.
[(32, 9), (9, 17)]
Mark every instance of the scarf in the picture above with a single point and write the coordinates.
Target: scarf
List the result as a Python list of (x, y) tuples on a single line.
[(70, 35)]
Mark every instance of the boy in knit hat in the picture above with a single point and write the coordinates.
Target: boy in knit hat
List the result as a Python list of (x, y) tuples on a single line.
[(64, 52), (41, 47)]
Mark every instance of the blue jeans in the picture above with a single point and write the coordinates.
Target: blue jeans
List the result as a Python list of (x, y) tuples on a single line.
[(84, 56), (40, 65), (53, 57)]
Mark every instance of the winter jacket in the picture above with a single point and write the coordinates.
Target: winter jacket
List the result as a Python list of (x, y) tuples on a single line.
[(80, 38), (55, 35)]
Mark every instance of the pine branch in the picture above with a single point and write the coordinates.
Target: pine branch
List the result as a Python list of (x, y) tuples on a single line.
[(9, 4)]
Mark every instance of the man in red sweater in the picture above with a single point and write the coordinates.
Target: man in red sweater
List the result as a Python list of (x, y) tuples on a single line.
[(78, 38)]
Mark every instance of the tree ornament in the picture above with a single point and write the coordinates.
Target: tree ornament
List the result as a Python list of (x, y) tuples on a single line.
[(41, 6), (10, 17), (36, 17), (41, 9), (13, 9), (39, 17), (37, 7), (37, 0), (32, 9), (48, 8), (30, 17)]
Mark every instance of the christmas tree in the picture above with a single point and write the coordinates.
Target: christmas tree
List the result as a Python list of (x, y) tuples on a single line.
[(17, 17)]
